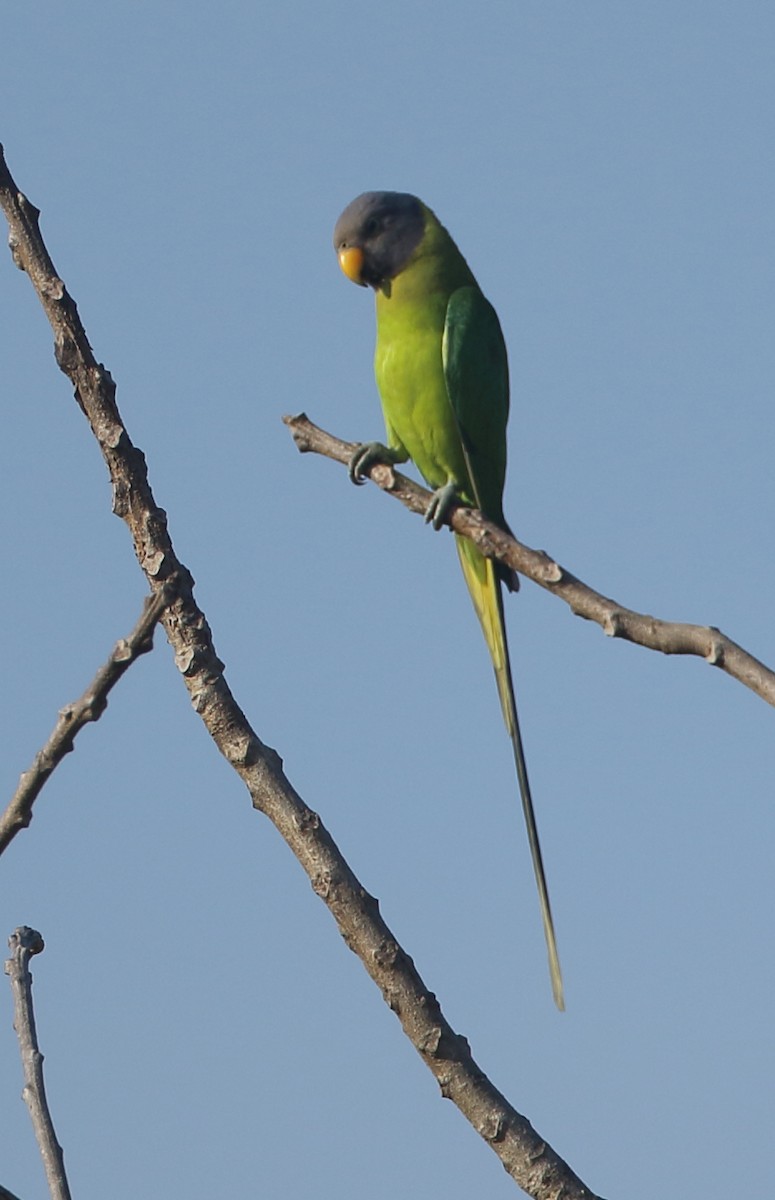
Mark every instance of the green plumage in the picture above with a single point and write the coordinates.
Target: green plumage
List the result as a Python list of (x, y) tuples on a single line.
[(442, 374)]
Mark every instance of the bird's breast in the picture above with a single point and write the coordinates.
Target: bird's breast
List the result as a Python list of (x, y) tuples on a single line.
[(410, 376)]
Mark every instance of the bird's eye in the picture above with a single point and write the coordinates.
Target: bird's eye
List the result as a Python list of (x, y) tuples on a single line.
[(371, 227)]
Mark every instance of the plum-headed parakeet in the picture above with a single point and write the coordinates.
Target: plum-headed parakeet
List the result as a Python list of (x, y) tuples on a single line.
[(442, 374)]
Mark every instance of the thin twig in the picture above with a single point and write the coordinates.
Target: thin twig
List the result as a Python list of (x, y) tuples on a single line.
[(73, 717), (532, 1163), (669, 637), (24, 942)]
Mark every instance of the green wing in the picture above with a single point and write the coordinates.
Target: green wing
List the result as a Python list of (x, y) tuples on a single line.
[(477, 377)]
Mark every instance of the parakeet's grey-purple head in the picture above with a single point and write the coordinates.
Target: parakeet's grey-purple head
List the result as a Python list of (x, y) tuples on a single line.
[(376, 236)]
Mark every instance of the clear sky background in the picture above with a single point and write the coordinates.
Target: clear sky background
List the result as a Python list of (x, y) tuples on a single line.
[(608, 171)]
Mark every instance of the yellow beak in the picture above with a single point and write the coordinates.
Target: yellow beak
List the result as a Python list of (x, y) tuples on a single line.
[(351, 262)]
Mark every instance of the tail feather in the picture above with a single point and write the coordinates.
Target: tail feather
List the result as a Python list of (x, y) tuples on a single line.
[(485, 587)]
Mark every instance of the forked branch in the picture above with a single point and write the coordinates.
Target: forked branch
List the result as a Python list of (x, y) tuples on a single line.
[(532, 1163)]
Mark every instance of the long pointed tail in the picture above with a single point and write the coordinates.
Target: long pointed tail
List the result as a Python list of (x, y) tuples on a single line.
[(485, 588)]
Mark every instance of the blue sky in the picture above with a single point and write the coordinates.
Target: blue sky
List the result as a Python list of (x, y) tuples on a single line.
[(608, 172)]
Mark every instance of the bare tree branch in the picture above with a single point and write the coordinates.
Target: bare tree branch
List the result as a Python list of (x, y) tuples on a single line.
[(532, 1163), (24, 942), (73, 717), (670, 637), (6, 1195)]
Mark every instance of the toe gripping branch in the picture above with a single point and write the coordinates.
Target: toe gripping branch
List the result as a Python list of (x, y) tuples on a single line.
[(366, 455), (442, 502)]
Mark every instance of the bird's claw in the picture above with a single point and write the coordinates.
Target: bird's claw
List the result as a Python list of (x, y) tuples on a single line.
[(442, 502), (365, 455)]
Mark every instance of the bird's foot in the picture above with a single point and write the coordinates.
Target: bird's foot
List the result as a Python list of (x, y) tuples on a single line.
[(442, 502), (365, 455)]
